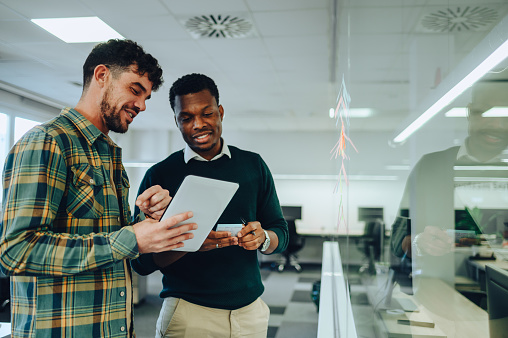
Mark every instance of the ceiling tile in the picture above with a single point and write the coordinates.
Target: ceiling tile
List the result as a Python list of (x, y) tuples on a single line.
[(34, 9), (294, 23), (24, 31), (289, 46), (156, 27), (132, 9), (285, 5), (217, 48), (185, 7)]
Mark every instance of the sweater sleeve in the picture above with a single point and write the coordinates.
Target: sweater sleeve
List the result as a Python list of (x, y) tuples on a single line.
[(269, 210)]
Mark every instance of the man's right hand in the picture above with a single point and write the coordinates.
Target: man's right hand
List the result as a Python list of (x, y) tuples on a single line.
[(155, 236), (217, 240)]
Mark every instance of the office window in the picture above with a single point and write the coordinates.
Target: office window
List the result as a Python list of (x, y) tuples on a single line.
[(4, 140), (21, 126)]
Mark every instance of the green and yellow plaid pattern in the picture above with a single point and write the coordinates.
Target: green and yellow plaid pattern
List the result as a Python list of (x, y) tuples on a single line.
[(65, 232)]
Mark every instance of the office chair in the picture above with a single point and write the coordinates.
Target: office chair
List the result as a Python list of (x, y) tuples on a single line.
[(296, 243), (372, 242)]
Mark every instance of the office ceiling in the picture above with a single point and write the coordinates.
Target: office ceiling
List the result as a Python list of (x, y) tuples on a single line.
[(283, 74)]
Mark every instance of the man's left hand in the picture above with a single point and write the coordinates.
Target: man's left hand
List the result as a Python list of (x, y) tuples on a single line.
[(251, 236), (153, 201)]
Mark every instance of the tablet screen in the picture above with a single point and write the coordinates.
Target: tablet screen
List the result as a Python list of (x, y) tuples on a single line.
[(206, 198)]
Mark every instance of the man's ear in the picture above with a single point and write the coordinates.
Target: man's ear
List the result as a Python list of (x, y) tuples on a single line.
[(101, 75), (221, 112)]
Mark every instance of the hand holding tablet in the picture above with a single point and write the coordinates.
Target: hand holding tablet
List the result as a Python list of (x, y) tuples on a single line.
[(206, 198)]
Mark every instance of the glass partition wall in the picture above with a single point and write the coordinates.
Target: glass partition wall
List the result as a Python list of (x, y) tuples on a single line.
[(432, 205)]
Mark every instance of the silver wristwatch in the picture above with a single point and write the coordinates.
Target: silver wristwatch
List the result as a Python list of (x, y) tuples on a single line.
[(266, 243)]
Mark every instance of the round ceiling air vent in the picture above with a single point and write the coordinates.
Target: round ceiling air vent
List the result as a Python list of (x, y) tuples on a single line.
[(219, 26), (460, 19)]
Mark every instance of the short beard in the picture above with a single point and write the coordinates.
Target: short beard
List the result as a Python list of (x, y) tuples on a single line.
[(111, 118)]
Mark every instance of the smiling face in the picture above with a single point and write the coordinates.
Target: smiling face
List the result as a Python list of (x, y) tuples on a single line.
[(199, 119), (122, 100)]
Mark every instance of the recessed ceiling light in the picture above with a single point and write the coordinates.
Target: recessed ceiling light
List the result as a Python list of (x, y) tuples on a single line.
[(78, 30), (219, 26), (456, 112)]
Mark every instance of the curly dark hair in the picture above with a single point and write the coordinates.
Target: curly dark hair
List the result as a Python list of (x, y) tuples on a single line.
[(190, 84), (118, 55)]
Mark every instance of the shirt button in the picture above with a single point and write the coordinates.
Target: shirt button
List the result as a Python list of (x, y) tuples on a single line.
[(92, 181), (122, 294), (118, 219), (122, 328)]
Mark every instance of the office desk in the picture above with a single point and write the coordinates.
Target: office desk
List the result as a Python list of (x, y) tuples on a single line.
[(452, 313), (477, 269)]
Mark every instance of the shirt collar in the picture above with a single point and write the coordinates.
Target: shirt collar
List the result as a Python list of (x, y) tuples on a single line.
[(90, 132), (463, 154), (189, 154)]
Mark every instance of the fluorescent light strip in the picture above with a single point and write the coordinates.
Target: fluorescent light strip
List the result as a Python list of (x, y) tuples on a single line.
[(78, 30), (480, 167), (480, 179), (490, 62), (496, 112), (456, 112), (336, 177)]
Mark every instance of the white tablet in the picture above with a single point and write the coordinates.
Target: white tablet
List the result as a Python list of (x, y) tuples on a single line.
[(206, 198)]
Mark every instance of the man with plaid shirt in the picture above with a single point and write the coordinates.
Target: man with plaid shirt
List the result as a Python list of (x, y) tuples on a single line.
[(66, 228)]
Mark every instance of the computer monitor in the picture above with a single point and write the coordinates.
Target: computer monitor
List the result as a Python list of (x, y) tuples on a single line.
[(497, 300), (291, 213), (369, 213)]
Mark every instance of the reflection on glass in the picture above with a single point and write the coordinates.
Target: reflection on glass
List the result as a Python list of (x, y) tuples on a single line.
[(453, 216)]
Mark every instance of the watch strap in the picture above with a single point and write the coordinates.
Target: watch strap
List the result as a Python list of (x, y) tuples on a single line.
[(266, 243)]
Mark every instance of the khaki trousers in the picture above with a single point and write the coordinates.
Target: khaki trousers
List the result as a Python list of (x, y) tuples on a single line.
[(181, 319)]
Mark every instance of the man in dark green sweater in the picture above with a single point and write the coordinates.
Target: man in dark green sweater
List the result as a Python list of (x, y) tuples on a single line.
[(215, 291)]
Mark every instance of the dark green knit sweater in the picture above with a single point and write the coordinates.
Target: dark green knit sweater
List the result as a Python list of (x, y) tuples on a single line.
[(226, 278)]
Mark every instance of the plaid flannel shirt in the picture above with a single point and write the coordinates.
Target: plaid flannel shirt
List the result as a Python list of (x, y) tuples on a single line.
[(65, 232)]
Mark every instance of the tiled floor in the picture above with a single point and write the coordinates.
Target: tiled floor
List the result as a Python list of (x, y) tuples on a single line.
[(288, 294)]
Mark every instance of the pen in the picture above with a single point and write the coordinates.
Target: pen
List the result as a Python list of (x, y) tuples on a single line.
[(244, 222)]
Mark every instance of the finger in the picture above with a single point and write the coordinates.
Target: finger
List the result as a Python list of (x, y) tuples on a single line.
[(174, 220), (160, 205), (249, 228), (219, 234), (250, 245), (181, 229), (177, 242), (221, 243), (147, 194)]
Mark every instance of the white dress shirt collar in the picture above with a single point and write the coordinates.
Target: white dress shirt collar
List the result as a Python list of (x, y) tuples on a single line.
[(189, 154)]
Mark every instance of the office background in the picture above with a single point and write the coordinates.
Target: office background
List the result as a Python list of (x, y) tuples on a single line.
[(278, 80)]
